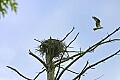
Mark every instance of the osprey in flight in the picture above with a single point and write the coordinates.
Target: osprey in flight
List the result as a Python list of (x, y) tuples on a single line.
[(98, 26)]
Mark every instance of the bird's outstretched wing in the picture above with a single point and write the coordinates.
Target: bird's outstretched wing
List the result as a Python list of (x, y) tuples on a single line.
[(97, 21), (98, 26)]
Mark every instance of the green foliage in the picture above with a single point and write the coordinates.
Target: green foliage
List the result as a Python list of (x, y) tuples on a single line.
[(5, 4)]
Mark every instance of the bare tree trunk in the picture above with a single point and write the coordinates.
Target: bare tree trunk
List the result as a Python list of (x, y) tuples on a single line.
[(50, 67)]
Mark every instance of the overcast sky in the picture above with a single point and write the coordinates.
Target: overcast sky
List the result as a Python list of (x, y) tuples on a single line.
[(40, 19)]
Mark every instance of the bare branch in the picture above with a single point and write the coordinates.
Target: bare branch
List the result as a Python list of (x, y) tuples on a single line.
[(38, 59), (68, 34), (39, 74), (99, 77), (70, 71), (19, 73), (104, 42), (58, 68), (73, 40), (111, 40), (37, 40), (89, 67), (84, 69)]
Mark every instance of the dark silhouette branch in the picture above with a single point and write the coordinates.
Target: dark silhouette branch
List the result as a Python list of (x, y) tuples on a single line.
[(83, 69), (111, 40), (37, 40), (104, 42), (99, 77), (58, 68), (73, 40), (38, 59), (39, 74), (19, 73), (89, 67), (68, 34), (70, 71)]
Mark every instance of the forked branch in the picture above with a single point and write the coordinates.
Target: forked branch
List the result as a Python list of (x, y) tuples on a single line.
[(93, 65)]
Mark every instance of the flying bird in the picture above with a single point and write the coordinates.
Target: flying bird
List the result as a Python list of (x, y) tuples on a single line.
[(98, 26)]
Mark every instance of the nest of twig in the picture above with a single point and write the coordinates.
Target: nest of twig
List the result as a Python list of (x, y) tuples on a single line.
[(53, 47)]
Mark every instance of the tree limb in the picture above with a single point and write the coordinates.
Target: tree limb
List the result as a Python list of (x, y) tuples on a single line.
[(68, 34), (70, 71), (72, 40), (38, 59), (58, 68), (39, 74), (19, 73)]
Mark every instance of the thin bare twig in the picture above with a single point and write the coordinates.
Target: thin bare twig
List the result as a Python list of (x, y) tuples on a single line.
[(70, 71), (68, 34), (37, 40), (58, 68), (73, 40), (39, 74), (104, 42), (99, 77), (83, 69), (111, 40), (19, 73)]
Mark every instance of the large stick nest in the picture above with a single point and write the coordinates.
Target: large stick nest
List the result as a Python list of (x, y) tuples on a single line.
[(53, 47)]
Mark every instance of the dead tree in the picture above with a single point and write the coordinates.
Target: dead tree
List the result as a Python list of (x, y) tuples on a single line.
[(56, 53)]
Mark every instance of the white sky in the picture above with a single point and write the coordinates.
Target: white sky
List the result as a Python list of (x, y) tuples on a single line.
[(41, 19)]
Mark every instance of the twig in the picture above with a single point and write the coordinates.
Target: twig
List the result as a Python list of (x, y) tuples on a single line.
[(58, 68), (99, 77), (111, 40), (19, 73), (70, 71), (68, 34), (39, 74), (83, 69), (72, 40), (37, 40), (38, 59)]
